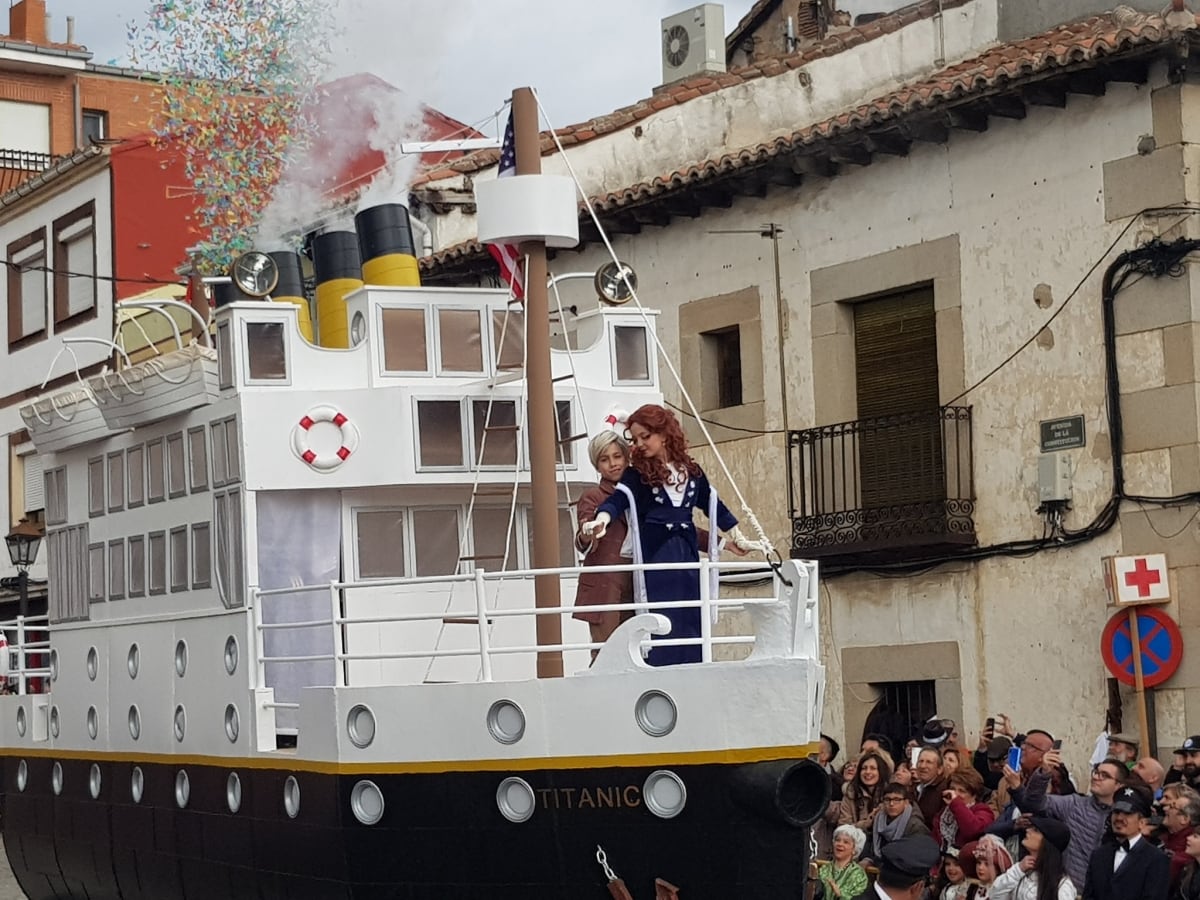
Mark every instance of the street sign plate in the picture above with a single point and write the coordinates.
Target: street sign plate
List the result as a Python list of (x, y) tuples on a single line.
[(1160, 641), (1062, 434)]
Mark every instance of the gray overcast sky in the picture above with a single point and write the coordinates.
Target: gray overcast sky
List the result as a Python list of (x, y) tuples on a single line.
[(464, 57)]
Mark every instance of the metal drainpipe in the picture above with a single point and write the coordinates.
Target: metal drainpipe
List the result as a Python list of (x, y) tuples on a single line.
[(77, 93), (940, 25), (426, 235)]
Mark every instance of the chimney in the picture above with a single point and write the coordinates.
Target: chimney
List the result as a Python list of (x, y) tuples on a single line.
[(27, 22), (71, 30)]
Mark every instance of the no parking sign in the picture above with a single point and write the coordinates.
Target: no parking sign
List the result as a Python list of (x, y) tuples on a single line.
[(1160, 646)]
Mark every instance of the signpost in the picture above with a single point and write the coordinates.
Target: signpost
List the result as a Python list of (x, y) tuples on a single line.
[(1062, 434)]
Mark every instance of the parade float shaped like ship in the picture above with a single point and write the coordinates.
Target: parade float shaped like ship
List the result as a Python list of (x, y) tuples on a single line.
[(291, 653)]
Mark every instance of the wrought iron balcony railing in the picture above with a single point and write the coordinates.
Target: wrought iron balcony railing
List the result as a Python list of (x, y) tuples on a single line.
[(885, 488), (17, 166)]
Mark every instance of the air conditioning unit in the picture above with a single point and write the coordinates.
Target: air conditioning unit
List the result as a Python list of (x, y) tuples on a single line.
[(693, 42)]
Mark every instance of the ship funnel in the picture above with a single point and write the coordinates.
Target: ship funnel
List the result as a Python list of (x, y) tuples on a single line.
[(226, 292), (794, 792), (290, 288), (339, 271), (385, 240)]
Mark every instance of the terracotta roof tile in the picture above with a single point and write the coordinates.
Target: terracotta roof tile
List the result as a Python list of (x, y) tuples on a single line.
[(1080, 43)]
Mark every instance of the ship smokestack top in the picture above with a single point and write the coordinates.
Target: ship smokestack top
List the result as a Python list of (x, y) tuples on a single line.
[(383, 230), (335, 255), (291, 276)]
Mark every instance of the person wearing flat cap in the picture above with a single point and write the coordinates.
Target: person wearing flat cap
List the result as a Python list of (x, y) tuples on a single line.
[(904, 869), (1130, 868), (1041, 874), (1123, 747)]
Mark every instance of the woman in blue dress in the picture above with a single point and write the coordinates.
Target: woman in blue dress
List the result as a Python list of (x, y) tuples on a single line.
[(663, 486)]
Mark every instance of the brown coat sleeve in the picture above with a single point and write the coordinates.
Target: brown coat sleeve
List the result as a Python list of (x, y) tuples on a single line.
[(585, 511)]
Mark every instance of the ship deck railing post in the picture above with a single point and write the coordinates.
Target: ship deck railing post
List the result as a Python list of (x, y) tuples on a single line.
[(340, 663), (260, 641), (21, 666), (485, 650), (706, 610)]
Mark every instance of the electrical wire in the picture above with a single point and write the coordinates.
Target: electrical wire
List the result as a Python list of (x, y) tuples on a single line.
[(716, 424), (50, 270)]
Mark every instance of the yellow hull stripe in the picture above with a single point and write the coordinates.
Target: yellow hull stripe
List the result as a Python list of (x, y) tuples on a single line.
[(283, 761)]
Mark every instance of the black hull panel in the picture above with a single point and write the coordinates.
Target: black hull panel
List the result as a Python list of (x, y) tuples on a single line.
[(441, 836)]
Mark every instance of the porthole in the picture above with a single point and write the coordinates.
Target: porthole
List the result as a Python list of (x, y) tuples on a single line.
[(233, 792), (94, 781), (135, 723), (360, 725), (181, 658), (506, 722), (137, 784), (56, 778), (183, 789), (22, 775), (664, 794), (516, 799), (231, 654), (366, 801), (231, 723), (93, 722), (133, 661), (291, 796), (93, 663), (180, 722), (655, 713), (54, 721), (54, 665), (358, 329), (21, 723)]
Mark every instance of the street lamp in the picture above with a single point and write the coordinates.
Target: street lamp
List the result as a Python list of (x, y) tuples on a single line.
[(23, 543)]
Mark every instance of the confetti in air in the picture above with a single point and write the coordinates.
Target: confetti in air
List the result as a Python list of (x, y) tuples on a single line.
[(237, 78)]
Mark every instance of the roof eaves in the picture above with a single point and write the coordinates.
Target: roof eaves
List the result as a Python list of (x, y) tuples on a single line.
[(53, 173)]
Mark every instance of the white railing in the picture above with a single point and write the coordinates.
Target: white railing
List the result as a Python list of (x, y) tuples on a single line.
[(481, 584), (27, 637)]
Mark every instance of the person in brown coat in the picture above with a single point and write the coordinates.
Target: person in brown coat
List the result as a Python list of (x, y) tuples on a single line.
[(609, 453)]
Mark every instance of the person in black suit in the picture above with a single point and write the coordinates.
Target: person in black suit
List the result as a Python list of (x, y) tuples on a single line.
[(1130, 868), (904, 869)]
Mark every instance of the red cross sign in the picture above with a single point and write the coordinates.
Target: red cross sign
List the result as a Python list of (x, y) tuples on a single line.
[(1138, 579)]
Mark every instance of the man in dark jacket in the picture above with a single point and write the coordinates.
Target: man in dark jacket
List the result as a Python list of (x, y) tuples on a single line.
[(904, 869), (1132, 868)]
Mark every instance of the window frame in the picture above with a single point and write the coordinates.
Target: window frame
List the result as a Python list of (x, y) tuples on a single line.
[(612, 353), (485, 340), (467, 447), (151, 590), (136, 587), (115, 503), (95, 510), (180, 469), (181, 564), (248, 379), (17, 340), (63, 317), (99, 115), (197, 486), (431, 351), (201, 580), (117, 567)]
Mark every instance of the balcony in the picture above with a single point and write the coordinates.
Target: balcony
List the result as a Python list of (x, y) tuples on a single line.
[(17, 166), (884, 489)]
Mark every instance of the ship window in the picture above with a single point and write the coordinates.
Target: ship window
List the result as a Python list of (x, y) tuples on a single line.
[(116, 569), (137, 566), (632, 353), (566, 451), (176, 476), (96, 486), (68, 569), (495, 435), (233, 458), (154, 470), (460, 340), (96, 572), (198, 454), (566, 537), (135, 469), (508, 338), (220, 461), (116, 481), (435, 536), (266, 351), (56, 496), (158, 562), (201, 555), (227, 516), (380, 535), (439, 430), (224, 355), (488, 529), (404, 341), (179, 559)]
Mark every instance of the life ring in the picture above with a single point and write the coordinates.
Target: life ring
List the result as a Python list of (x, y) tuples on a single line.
[(324, 462)]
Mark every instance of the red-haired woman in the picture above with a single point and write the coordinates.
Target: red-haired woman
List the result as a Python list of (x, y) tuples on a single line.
[(660, 489)]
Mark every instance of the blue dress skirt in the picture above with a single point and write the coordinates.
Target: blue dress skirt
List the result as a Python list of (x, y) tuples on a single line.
[(667, 535)]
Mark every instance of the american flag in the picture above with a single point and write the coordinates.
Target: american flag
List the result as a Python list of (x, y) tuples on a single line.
[(508, 256)]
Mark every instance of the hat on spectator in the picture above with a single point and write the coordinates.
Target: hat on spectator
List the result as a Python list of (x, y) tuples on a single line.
[(909, 859), (1053, 831), (1192, 743), (1124, 738), (934, 734), (998, 747), (1132, 800)]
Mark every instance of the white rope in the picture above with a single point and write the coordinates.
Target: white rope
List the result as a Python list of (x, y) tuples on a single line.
[(751, 518), (562, 456)]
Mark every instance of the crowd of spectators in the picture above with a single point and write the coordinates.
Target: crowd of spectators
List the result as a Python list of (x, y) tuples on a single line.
[(1008, 819)]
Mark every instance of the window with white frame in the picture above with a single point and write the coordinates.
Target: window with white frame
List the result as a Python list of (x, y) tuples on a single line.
[(201, 555), (489, 528), (266, 352), (508, 338), (379, 540), (631, 353), (227, 521), (494, 429), (440, 433), (116, 569), (460, 340), (32, 484), (435, 541), (75, 286), (198, 459), (116, 481), (179, 558), (27, 289), (157, 543), (96, 585), (96, 495), (156, 474), (176, 466), (405, 340)]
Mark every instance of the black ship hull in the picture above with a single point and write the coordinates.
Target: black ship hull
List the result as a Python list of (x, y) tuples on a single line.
[(441, 835)]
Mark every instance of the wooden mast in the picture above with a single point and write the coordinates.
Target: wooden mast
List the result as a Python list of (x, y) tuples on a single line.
[(542, 418)]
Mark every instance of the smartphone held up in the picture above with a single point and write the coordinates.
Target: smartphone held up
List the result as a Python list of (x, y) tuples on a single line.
[(1014, 758)]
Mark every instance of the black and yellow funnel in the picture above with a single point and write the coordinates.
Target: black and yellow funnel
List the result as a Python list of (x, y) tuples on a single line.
[(385, 241), (339, 269), (290, 288)]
